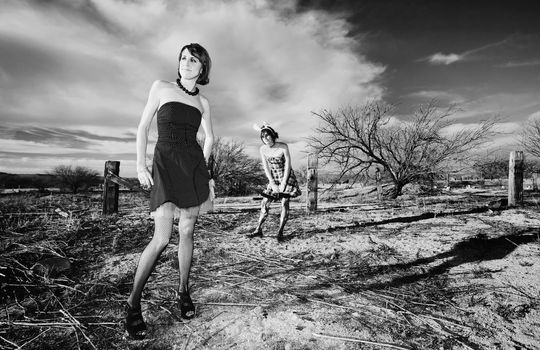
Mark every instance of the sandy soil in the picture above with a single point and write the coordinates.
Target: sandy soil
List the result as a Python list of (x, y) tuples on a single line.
[(449, 271)]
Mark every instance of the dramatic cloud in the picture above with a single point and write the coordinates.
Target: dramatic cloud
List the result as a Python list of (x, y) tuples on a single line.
[(75, 74), (535, 115), (88, 65)]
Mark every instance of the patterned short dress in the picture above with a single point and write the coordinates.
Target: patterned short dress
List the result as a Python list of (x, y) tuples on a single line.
[(277, 169)]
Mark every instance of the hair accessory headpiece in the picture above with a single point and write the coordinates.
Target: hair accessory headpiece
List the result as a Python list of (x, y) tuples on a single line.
[(267, 127)]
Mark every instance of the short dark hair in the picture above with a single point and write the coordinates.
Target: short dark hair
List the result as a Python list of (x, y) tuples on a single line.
[(269, 130), (203, 56)]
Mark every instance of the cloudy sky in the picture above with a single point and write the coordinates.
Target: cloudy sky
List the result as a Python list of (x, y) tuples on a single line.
[(75, 74)]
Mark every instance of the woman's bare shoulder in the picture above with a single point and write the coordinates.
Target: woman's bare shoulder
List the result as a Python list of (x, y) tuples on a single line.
[(161, 82), (282, 145), (158, 85)]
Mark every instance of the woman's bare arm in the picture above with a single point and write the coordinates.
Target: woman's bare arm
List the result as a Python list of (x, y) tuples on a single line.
[(287, 170), (208, 129), (148, 113)]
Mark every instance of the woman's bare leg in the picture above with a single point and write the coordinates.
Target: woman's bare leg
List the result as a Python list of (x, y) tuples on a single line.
[(186, 226), (265, 209), (284, 216), (162, 234)]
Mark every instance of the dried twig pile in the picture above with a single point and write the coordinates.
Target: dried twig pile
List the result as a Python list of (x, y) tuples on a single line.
[(333, 284)]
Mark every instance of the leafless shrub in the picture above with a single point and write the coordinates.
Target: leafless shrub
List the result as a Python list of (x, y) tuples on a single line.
[(75, 178), (359, 138)]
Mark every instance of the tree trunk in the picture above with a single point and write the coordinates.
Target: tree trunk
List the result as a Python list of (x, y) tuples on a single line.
[(396, 191)]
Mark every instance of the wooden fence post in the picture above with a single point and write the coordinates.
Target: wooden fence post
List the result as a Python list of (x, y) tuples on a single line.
[(535, 182), (110, 189), (312, 182), (378, 183), (515, 178)]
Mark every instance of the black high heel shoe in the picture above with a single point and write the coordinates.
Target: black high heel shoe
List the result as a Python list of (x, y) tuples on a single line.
[(255, 234), (187, 309), (135, 325)]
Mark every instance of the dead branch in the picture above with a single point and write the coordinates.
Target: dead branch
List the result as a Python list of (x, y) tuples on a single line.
[(10, 342), (205, 340), (39, 324), (187, 340), (453, 323), (34, 338), (356, 340), (234, 304)]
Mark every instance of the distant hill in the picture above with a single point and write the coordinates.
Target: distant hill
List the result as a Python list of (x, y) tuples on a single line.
[(8, 180), (40, 181)]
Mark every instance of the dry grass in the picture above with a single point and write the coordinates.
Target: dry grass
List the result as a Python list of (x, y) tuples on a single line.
[(368, 276)]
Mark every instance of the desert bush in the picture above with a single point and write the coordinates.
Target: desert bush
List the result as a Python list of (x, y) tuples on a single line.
[(530, 137), (492, 168), (234, 172), (76, 178)]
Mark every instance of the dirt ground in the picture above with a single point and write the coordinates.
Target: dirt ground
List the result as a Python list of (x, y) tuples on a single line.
[(454, 270)]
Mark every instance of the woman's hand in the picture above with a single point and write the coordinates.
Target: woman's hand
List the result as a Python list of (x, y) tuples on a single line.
[(282, 187), (275, 187), (145, 178)]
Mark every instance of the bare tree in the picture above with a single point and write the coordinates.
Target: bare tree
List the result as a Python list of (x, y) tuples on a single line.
[(234, 172), (530, 137), (357, 138), (491, 167), (75, 178)]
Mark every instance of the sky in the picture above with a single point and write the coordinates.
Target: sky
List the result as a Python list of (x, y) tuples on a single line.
[(75, 74)]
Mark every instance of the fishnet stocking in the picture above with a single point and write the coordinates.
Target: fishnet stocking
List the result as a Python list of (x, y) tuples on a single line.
[(186, 226), (162, 234)]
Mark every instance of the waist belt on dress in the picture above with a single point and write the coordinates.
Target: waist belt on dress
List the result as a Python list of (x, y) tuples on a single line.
[(177, 140)]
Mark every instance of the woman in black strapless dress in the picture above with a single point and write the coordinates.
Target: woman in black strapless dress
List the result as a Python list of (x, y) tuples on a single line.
[(179, 178)]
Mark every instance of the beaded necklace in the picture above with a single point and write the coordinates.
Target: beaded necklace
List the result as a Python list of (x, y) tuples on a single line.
[(194, 93)]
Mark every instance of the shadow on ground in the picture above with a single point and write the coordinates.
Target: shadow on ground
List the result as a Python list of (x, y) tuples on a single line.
[(476, 249), (409, 219)]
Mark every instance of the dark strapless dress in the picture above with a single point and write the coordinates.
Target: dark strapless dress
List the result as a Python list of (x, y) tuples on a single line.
[(179, 169)]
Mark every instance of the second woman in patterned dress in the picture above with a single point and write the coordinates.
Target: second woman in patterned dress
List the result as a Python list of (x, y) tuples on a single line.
[(282, 183)]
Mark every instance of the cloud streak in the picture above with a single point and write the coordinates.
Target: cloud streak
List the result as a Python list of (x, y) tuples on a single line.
[(521, 64), (446, 59)]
